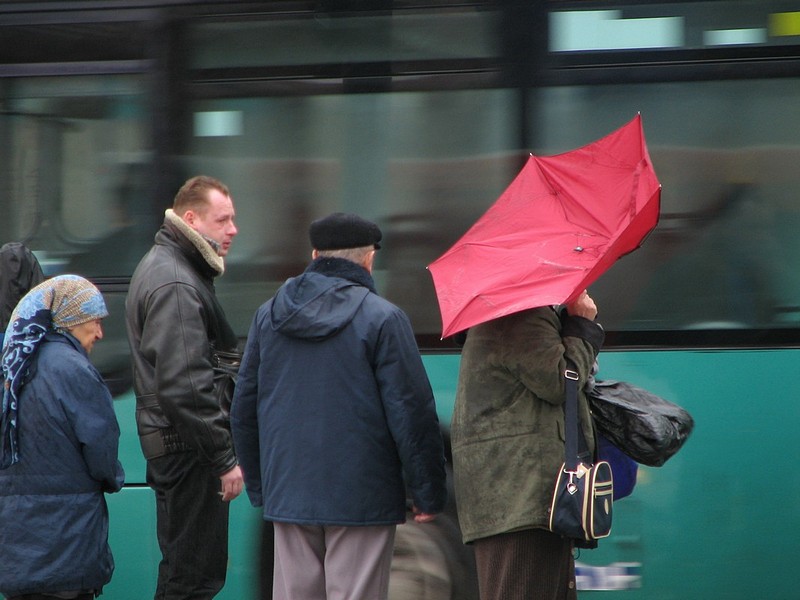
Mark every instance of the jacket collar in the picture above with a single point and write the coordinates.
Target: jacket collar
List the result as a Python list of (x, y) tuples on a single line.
[(198, 242), (346, 269)]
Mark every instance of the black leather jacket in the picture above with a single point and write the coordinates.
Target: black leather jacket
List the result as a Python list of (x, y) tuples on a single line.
[(174, 325)]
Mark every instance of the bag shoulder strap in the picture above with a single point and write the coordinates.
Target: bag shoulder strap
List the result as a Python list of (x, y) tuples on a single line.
[(571, 418), (576, 445)]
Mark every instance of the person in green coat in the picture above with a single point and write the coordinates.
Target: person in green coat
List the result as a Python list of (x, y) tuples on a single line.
[(508, 444)]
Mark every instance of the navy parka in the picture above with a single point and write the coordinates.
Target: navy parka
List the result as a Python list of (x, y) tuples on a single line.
[(333, 406)]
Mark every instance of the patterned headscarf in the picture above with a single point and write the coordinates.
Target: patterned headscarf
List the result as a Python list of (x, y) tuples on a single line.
[(56, 304)]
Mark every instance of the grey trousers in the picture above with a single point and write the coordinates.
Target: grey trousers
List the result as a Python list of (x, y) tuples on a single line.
[(332, 563)]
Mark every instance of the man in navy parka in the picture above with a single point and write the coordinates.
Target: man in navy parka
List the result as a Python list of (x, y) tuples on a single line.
[(332, 408)]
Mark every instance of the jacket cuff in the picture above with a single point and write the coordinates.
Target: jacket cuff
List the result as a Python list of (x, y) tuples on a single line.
[(222, 466), (585, 329)]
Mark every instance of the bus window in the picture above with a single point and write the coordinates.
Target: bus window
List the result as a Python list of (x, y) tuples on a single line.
[(403, 160), (77, 182), (723, 254)]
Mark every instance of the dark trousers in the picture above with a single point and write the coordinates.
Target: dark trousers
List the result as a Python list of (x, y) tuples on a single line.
[(533, 564), (192, 528)]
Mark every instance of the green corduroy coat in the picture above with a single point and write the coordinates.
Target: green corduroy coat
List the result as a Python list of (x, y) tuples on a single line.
[(508, 422)]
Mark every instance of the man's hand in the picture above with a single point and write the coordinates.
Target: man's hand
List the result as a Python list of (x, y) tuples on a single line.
[(232, 484), (421, 517), (582, 306)]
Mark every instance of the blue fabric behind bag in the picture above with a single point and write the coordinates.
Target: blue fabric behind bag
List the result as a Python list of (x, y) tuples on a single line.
[(623, 467)]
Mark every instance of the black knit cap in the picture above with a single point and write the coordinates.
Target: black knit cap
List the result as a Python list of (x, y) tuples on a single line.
[(339, 231)]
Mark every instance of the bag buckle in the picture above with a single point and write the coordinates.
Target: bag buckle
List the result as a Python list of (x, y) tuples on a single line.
[(570, 374), (572, 487)]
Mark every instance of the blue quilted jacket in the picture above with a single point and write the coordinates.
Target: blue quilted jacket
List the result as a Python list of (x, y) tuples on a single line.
[(53, 515)]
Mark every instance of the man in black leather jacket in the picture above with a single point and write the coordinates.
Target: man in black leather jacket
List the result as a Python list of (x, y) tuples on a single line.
[(176, 329)]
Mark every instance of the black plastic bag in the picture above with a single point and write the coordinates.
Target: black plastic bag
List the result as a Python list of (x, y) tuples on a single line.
[(644, 426)]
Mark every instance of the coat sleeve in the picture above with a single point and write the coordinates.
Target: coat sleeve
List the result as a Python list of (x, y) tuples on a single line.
[(175, 340), (90, 411), (537, 349), (411, 413), (244, 416)]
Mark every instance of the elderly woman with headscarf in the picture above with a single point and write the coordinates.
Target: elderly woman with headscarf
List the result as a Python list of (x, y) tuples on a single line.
[(58, 453)]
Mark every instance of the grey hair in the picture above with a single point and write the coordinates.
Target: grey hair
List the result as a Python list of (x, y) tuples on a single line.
[(356, 255)]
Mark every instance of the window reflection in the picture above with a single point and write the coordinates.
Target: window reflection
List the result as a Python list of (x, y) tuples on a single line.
[(77, 175), (427, 165), (723, 254), (325, 38), (423, 165), (76, 183)]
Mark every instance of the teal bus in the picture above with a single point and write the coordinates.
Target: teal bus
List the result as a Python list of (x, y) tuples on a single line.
[(417, 114)]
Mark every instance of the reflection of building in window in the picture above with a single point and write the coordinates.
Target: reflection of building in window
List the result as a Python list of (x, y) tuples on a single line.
[(275, 200), (119, 251), (116, 254), (724, 268), (440, 201)]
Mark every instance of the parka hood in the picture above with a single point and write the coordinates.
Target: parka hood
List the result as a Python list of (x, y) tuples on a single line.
[(322, 301)]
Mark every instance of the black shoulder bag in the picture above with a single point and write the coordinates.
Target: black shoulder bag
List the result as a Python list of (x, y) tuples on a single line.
[(583, 497), (226, 372)]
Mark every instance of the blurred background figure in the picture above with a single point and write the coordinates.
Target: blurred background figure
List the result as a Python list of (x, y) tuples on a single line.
[(19, 272), (127, 232), (59, 447)]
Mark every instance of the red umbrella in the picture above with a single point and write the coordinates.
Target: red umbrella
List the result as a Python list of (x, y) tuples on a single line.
[(562, 222)]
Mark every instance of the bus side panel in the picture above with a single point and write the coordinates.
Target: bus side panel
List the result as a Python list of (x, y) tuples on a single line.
[(716, 520), (132, 536)]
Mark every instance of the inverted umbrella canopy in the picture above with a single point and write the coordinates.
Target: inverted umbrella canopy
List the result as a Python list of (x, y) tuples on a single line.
[(562, 223)]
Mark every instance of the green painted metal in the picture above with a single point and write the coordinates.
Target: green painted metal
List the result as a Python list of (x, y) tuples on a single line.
[(716, 521)]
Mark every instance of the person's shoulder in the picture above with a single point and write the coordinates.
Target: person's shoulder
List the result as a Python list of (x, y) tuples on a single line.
[(263, 313), (382, 309), (380, 303), (62, 355), (69, 369), (162, 266)]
